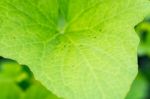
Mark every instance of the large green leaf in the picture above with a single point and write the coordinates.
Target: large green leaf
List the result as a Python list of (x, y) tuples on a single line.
[(79, 49)]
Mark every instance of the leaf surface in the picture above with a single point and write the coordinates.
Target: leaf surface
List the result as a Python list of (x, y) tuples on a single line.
[(78, 49)]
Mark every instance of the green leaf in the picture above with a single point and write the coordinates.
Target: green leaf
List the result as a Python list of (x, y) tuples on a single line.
[(78, 49), (139, 88)]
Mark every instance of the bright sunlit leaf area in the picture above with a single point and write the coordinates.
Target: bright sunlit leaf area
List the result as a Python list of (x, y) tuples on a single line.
[(74, 49)]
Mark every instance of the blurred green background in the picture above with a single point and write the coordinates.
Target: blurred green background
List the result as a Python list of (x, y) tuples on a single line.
[(141, 86), (18, 82)]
